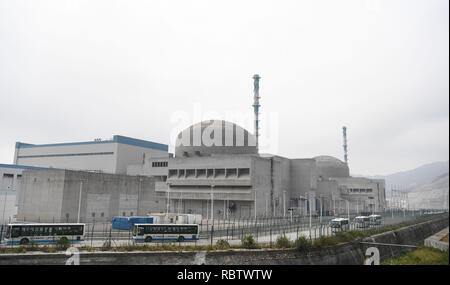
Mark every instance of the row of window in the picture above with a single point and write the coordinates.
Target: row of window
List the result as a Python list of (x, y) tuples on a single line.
[(46, 230), (168, 230), (357, 190), (207, 173), (159, 164), (65, 154), (103, 214)]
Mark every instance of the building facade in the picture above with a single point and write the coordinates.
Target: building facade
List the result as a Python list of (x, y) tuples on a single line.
[(70, 196), (10, 181), (109, 156), (226, 176)]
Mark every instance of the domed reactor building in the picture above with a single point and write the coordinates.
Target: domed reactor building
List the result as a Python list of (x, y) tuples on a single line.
[(217, 162)]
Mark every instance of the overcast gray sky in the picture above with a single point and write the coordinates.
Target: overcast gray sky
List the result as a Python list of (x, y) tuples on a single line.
[(79, 70)]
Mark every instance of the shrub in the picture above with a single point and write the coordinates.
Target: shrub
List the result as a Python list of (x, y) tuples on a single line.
[(62, 244), (325, 241), (106, 245), (32, 246), (47, 249), (222, 244), (283, 242), (302, 244), (88, 248), (344, 236), (249, 242)]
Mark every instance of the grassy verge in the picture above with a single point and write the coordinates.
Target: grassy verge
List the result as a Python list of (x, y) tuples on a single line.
[(421, 256)]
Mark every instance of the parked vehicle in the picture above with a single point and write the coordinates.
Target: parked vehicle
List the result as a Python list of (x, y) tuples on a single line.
[(339, 225)]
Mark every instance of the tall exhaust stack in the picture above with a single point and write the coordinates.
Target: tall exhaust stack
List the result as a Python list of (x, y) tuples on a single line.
[(344, 132), (256, 106)]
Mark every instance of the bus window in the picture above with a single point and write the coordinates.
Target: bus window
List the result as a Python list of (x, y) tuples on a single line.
[(15, 232)]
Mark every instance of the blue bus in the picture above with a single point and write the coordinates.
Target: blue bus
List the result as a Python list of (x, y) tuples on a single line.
[(126, 223)]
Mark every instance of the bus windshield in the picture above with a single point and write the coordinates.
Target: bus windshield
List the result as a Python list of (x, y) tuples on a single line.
[(335, 224), (8, 232), (361, 219)]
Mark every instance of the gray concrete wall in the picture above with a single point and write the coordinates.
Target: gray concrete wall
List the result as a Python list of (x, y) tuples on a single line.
[(10, 181), (377, 197), (303, 176), (435, 240), (53, 195), (132, 155), (41, 195)]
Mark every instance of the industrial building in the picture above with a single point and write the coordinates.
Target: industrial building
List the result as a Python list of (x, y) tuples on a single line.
[(109, 156), (216, 170), (10, 180), (240, 182), (59, 195)]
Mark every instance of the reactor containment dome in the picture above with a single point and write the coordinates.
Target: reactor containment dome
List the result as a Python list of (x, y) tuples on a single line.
[(214, 137)]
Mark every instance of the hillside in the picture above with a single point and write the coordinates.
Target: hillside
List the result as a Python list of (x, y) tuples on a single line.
[(433, 195), (413, 178)]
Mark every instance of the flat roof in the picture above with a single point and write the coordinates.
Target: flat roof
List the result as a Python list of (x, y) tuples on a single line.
[(115, 139), (16, 166)]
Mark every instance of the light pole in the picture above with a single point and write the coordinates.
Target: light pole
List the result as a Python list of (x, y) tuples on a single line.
[(180, 202), (212, 205), (139, 195), (266, 203), (79, 201), (348, 210), (284, 203), (310, 218), (4, 205), (168, 199), (321, 207), (255, 203)]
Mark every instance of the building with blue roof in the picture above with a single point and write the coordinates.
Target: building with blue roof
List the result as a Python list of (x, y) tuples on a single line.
[(109, 156)]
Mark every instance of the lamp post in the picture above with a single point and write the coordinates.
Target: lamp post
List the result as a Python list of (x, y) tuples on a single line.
[(168, 198), (79, 201), (139, 195), (310, 218), (266, 204), (255, 204), (4, 205), (212, 205), (348, 210)]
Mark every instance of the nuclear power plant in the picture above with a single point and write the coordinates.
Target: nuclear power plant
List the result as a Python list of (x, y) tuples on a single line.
[(216, 169)]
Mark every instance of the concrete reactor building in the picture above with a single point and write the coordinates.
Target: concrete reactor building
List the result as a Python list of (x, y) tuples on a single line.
[(216, 168), (241, 182)]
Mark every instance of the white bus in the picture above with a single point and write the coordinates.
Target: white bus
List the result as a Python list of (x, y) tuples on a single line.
[(43, 233), (375, 219), (339, 225), (165, 232), (362, 221)]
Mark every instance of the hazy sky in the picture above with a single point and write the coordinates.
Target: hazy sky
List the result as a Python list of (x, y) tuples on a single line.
[(80, 70)]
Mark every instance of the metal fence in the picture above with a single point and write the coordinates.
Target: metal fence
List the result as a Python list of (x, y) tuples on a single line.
[(264, 229)]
